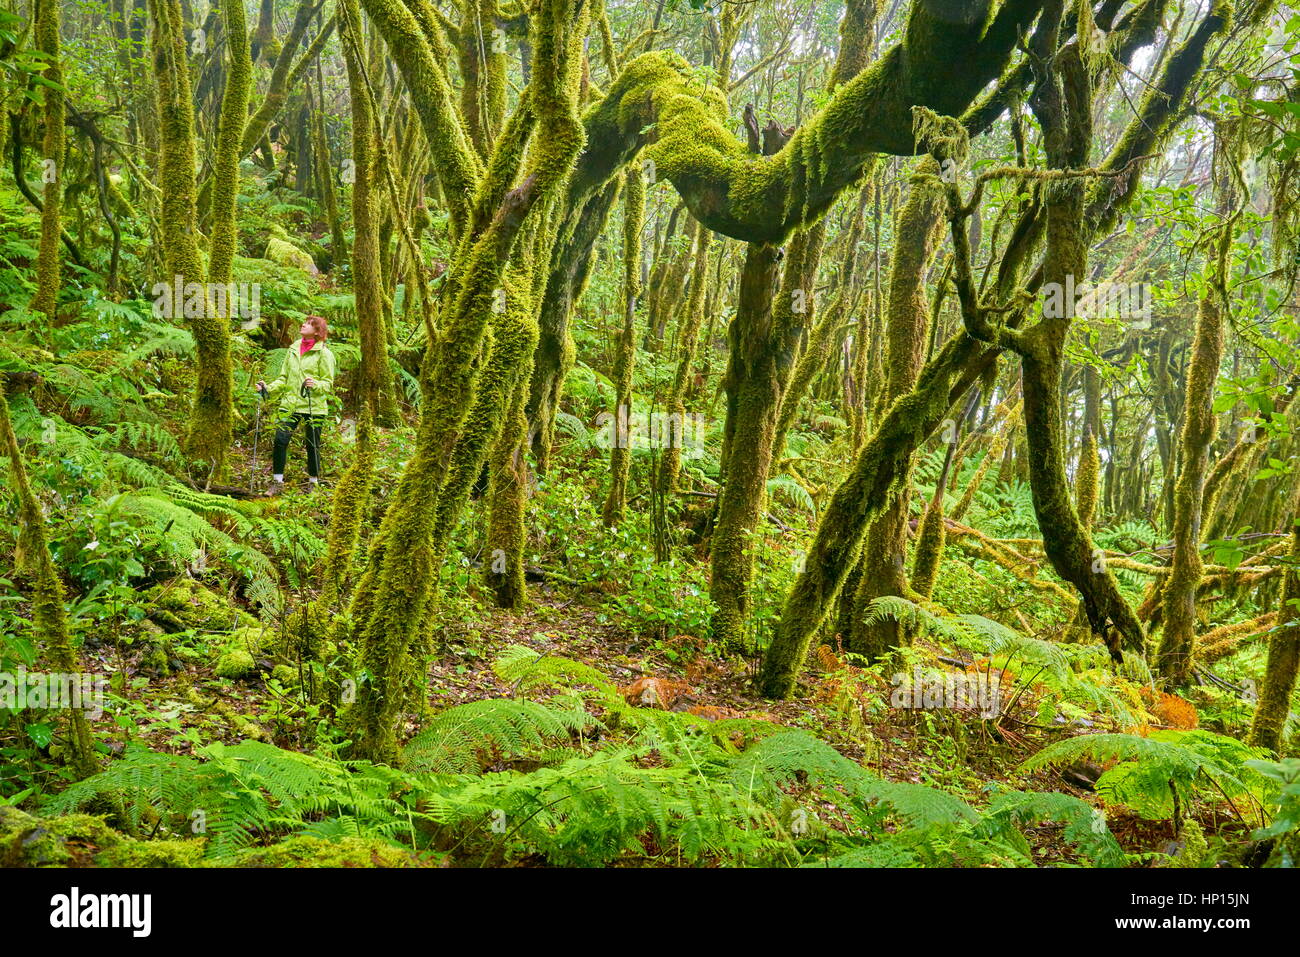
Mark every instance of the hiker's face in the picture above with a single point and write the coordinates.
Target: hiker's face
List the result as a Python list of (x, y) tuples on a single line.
[(307, 331)]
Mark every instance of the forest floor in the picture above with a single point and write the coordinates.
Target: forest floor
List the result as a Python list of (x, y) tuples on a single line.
[(963, 752)]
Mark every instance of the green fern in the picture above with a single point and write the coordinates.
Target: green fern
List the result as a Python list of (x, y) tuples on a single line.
[(1159, 773), (470, 736)]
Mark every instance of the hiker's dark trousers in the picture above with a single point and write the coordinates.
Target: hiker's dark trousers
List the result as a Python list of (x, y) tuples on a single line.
[(289, 425)]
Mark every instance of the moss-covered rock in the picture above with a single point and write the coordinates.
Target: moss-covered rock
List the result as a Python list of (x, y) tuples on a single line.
[(84, 840), (235, 662), (236, 657), (184, 604), (307, 851), (169, 853), (285, 253), (68, 841)]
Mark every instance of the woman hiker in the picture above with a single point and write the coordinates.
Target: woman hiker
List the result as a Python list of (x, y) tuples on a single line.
[(304, 383)]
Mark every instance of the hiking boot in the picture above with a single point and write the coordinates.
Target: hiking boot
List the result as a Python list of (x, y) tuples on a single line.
[(274, 489)]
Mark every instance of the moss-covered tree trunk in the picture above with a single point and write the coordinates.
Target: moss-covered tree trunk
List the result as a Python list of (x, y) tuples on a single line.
[(620, 456), (49, 618), (493, 282), (827, 324), (225, 165), (506, 493), (348, 508), (1283, 651), (52, 146), (1200, 424), (884, 552), (374, 377), (687, 341), (1064, 108), (753, 400), (212, 412), (326, 180)]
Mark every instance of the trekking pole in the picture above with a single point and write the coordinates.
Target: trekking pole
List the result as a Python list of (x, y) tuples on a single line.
[(257, 431), (306, 394)]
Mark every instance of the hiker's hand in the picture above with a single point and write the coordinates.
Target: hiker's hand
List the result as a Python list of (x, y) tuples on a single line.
[(309, 383)]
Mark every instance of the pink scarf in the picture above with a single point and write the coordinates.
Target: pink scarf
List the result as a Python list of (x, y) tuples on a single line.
[(305, 346)]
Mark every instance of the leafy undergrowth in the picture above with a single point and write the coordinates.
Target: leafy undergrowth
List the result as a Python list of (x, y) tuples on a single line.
[(551, 739)]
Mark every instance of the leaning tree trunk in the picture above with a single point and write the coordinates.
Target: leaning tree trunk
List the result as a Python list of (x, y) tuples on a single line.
[(864, 493), (49, 618), (466, 398)]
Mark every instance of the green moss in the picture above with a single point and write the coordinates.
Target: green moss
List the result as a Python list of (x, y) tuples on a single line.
[(688, 336), (375, 379), (347, 512), (184, 604), (929, 550), (860, 498), (169, 853), (225, 164), (906, 324), (1273, 711), (307, 851), (84, 840), (392, 598), (48, 612), (1085, 480), (235, 663), (27, 840), (1174, 658)]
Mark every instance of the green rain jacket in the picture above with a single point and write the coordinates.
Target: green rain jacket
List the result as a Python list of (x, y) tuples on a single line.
[(317, 364)]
